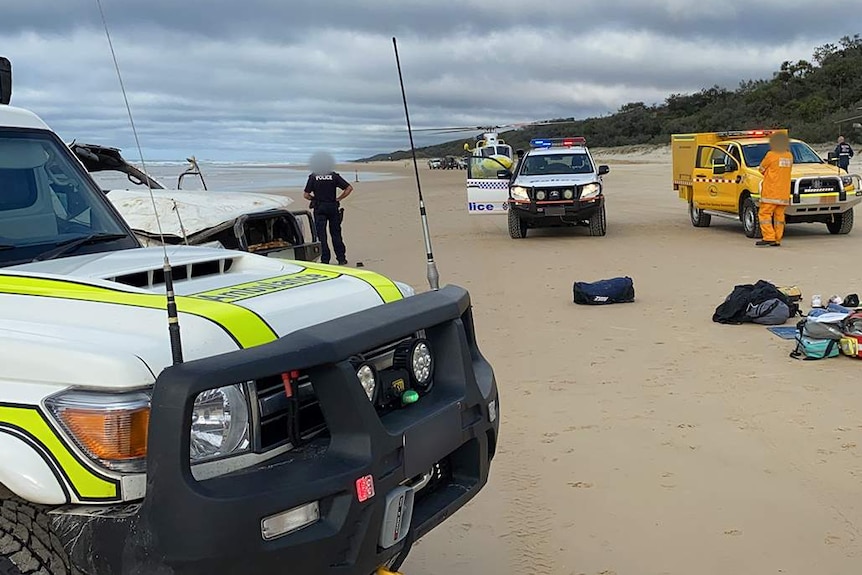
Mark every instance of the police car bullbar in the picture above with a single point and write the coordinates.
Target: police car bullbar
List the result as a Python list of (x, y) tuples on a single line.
[(557, 184)]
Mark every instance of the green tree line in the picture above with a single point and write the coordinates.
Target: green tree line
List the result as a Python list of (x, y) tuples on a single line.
[(807, 97)]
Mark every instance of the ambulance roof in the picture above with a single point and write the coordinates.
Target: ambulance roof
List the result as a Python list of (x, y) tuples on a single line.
[(11, 117)]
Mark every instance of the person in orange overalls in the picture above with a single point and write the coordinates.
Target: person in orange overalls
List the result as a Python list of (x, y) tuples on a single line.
[(776, 168)]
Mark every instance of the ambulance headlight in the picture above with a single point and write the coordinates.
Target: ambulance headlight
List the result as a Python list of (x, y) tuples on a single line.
[(422, 363), (568, 194), (590, 191), (519, 193), (415, 356), (541, 195), (847, 181), (367, 379), (220, 423)]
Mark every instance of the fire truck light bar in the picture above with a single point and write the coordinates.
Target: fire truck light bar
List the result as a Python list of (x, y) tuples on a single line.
[(557, 142), (746, 134)]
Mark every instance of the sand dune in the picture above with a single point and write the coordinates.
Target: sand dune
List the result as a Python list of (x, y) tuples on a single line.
[(638, 439)]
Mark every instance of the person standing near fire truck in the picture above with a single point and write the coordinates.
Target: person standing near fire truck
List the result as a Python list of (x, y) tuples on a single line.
[(844, 153), (776, 168)]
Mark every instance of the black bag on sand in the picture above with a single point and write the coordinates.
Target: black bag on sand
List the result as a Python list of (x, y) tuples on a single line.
[(771, 312), (605, 292), (735, 308)]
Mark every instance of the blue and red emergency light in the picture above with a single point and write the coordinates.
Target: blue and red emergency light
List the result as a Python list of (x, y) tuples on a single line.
[(557, 142)]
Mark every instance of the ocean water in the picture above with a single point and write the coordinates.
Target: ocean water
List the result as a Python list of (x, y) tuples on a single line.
[(230, 177)]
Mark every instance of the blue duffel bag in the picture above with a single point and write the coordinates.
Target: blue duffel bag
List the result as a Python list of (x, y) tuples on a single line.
[(617, 290)]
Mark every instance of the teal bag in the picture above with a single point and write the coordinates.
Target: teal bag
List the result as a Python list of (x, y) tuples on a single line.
[(810, 349)]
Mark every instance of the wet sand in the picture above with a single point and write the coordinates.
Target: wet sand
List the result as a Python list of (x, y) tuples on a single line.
[(637, 439)]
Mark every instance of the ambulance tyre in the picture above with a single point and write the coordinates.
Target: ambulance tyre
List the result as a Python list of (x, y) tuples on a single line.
[(750, 219), (841, 224), (27, 545), (517, 226), (698, 218), (599, 223)]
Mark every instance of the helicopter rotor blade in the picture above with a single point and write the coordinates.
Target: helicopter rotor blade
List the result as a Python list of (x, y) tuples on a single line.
[(450, 129)]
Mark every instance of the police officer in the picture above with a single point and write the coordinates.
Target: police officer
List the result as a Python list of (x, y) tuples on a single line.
[(322, 191), (844, 153)]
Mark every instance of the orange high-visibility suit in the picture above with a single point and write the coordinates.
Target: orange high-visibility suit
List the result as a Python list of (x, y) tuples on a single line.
[(776, 168)]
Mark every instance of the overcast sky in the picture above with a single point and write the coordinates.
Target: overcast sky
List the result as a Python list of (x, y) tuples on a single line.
[(274, 80)]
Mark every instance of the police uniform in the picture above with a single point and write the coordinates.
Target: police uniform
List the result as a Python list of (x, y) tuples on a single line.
[(844, 153), (324, 188)]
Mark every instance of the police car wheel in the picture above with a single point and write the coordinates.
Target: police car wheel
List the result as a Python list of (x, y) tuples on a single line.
[(517, 226), (698, 218), (750, 219), (599, 223), (841, 224), (26, 542)]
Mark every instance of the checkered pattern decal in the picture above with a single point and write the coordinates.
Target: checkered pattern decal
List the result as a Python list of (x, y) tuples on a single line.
[(488, 184), (715, 180)]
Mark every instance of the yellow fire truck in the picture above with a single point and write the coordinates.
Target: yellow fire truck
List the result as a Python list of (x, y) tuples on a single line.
[(716, 173)]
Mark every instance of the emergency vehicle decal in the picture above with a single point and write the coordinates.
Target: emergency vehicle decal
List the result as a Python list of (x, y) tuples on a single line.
[(313, 273), (233, 294), (244, 326), (488, 184), (385, 287), (714, 181), (28, 424)]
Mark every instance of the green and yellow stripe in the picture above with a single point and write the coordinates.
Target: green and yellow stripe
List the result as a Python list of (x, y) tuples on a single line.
[(219, 306)]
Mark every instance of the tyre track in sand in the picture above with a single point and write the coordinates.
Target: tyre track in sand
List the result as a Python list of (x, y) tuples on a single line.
[(528, 532)]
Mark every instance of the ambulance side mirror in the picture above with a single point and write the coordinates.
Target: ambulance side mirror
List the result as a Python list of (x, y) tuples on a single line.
[(718, 169), (832, 158), (504, 174), (604, 170), (519, 153), (5, 80)]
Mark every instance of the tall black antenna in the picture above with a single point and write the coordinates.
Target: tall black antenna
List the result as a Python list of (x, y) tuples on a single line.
[(173, 315), (433, 274)]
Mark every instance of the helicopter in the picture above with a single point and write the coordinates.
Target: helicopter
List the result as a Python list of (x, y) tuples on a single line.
[(489, 157)]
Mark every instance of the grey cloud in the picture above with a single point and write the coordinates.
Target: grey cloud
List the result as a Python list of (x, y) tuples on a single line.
[(270, 79), (281, 20)]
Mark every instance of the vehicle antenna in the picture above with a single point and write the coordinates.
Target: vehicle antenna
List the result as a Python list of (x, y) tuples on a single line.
[(433, 274), (173, 315), (180, 220)]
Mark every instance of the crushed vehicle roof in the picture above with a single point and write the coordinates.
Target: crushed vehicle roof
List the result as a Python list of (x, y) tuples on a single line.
[(197, 210)]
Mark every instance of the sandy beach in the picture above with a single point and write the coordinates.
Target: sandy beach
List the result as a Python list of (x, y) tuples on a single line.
[(637, 439)]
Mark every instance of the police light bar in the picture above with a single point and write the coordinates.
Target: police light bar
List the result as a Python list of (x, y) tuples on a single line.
[(746, 134), (557, 142)]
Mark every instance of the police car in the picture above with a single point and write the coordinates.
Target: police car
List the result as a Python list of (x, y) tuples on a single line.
[(557, 184)]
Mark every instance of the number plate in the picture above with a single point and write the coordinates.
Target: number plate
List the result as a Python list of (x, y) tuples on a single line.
[(555, 211), (828, 199)]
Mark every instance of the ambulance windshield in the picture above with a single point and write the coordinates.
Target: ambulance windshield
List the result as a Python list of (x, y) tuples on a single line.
[(802, 153), (48, 204)]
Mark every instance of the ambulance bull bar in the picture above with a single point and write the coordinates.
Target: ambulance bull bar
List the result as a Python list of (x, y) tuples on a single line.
[(215, 525)]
